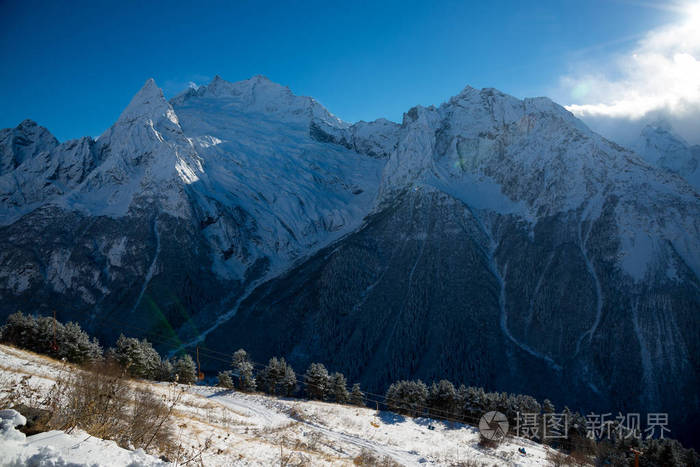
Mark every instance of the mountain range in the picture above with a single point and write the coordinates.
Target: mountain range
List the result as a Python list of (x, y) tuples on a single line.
[(491, 241)]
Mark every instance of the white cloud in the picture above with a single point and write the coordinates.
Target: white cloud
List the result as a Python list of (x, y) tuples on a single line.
[(658, 78)]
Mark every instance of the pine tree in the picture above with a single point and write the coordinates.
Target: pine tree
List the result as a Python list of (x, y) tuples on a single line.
[(138, 357), (316, 381), (408, 397), (289, 381), (243, 368), (20, 330), (40, 335), (224, 380), (357, 397), (442, 399), (460, 410), (338, 388), (185, 370), (76, 346), (475, 404), (165, 371), (270, 378), (548, 407)]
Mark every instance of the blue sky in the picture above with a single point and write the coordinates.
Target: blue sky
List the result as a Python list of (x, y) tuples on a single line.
[(73, 66)]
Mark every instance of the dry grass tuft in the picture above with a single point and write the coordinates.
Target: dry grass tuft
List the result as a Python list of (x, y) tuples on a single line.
[(559, 459), (370, 459), (103, 402)]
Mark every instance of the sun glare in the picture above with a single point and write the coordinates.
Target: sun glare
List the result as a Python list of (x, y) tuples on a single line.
[(693, 11)]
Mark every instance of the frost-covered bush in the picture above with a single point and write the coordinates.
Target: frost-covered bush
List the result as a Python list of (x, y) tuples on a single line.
[(369, 458), (49, 337)]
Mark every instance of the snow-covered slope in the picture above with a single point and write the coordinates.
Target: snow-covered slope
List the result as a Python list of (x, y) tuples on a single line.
[(257, 156), (230, 181), (534, 159), (661, 147), (240, 210), (252, 429), (57, 448)]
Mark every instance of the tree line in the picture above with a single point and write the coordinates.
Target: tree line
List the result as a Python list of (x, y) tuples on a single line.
[(68, 341), (441, 400), (279, 378)]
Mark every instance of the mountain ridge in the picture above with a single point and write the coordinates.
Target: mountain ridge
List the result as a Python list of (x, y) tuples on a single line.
[(239, 210)]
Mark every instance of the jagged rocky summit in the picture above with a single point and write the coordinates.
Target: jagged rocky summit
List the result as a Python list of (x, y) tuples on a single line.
[(491, 241)]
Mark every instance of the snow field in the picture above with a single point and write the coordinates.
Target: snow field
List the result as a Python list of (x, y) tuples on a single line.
[(233, 428)]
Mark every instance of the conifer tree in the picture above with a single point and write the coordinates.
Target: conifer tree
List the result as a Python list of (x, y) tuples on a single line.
[(50, 337), (442, 399), (408, 397), (271, 377), (338, 388), (224, 380), (357, 397), (316, 381), (185, 370), (76, 346), (165, 371), (138, 356), (289, 380), (243, 368)]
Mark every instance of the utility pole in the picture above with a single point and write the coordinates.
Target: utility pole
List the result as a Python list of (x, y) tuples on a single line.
[(637, 453), (200, 375), (54, 347)]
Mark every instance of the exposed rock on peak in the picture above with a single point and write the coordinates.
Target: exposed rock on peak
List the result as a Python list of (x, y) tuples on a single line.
[(22, 143), (261, 95), (496, 236)]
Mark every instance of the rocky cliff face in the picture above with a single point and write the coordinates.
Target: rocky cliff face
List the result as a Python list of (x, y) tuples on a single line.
[(490, 240)]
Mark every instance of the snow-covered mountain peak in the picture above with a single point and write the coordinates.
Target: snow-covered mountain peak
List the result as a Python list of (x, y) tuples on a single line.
[(148, 103), (660, 135), (33, 131), (660, 146), (257, 88), (259, 95), (502, 108), (467, 90), (27, 123), (23, 142)]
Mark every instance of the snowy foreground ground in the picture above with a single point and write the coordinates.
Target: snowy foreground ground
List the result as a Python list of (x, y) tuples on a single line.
[(56, 448), (245, 429)]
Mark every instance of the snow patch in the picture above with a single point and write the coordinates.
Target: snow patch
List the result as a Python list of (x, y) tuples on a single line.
[(56, 448), (152, 268), (117, 251)]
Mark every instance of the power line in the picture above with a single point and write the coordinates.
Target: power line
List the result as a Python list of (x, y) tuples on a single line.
[(218, 356)]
